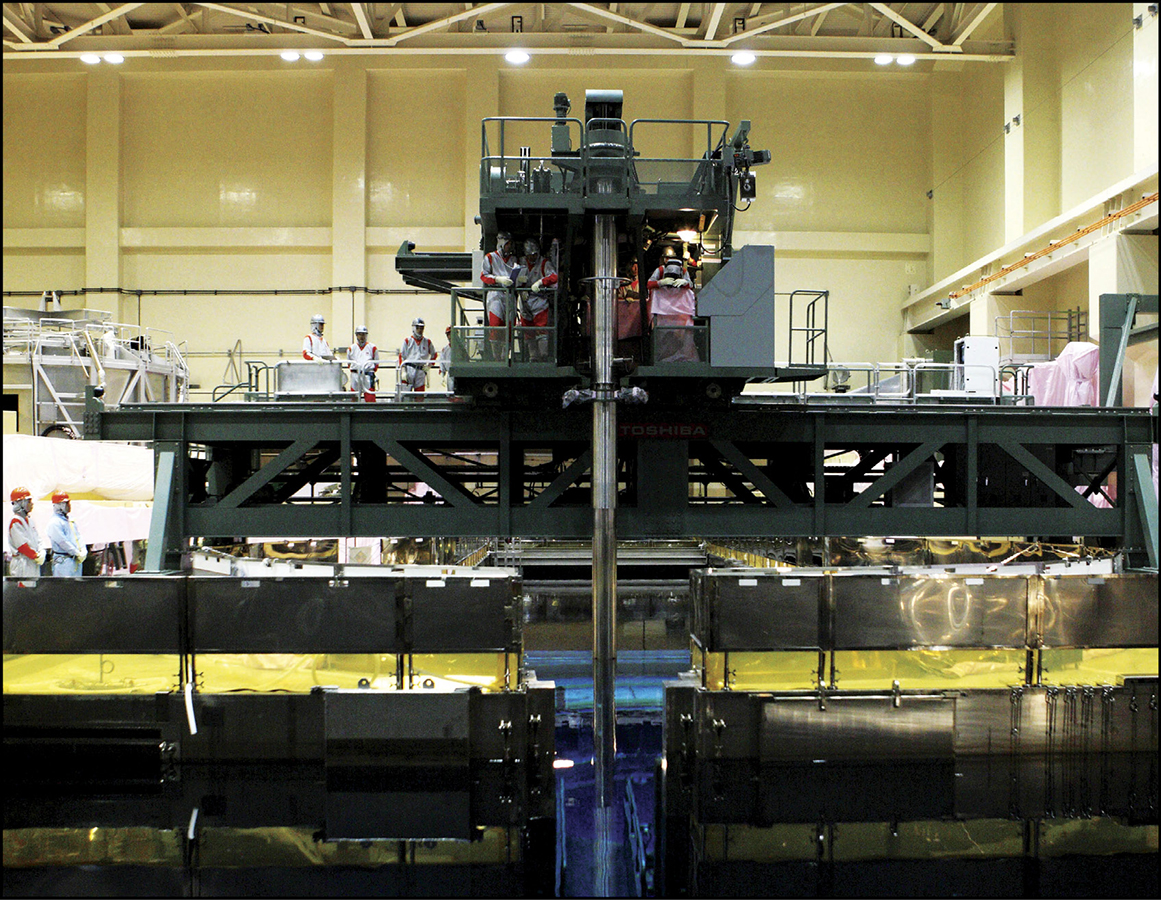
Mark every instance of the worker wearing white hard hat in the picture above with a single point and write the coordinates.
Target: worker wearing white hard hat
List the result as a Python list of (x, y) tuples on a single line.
[(314, 345), (364, 358), (68, 550), (23, 540), (414, 355)]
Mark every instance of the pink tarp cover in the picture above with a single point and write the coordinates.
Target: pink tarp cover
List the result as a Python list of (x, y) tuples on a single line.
[(1072, 379)]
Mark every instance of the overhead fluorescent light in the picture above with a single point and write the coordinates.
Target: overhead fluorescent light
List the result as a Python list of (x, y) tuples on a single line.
[(905, 59), (313, 55), (289, 55), (883, 59), (90, 58), (114, 58), (516, 57), (743, 58)]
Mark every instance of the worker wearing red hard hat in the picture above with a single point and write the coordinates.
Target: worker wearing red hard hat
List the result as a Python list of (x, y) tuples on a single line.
[(68, 550), (24, 542)]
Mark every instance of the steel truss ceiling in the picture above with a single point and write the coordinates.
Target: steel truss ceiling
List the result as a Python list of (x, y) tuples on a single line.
[(966, 31)]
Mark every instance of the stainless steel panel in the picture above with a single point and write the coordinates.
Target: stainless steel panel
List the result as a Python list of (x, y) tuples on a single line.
[(942, 611), (1099, 611), (854, 728), (306, 377), (451, 614), (759, 611), (294, 615), (429, 716), (93, 615)]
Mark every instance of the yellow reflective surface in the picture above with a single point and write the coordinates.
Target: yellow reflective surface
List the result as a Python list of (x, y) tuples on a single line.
[(137, 846), (92, 673), (773, 670), (925, 839), (243, 847), (927, 669), (488, 671), (293, 672), (1101, 666)]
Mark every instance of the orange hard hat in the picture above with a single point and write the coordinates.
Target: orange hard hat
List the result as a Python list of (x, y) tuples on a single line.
[(60, 497), (21, 493)]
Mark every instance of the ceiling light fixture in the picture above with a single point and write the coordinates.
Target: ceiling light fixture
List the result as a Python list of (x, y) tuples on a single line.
[(90, 59), (883, 59), (289, 55), (516, 57), (743, 58), (313, 55), (906, 59), (114, 58)]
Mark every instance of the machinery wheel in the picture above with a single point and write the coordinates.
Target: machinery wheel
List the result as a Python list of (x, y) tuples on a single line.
[(713, 390), (491, 390)]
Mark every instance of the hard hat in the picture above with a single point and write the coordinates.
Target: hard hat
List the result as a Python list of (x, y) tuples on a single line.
[(362, 329), (531, 247), (417, 323), (60, 497), (502, 238), (317, 319), (447, 331), (21, 493)]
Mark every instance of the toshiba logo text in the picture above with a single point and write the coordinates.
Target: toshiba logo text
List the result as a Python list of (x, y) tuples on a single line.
[(653, 430)]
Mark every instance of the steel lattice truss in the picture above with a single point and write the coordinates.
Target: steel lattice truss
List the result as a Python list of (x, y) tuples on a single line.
[(345, 470), (963, 30)]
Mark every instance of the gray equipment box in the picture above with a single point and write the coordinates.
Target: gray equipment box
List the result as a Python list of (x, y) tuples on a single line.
[(303, 378), (740, 300)]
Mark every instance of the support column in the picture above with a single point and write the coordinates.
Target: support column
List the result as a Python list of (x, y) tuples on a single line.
[(481, 100), (103, 185), (348, 201), (1014, 139)]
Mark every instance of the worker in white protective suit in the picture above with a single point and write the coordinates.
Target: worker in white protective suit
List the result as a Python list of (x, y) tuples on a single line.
[(496, 272), (538, 275), (416, 352), (364, 358), (673, 307), (68, 550), (314, 345), (23, 540), (445, 361)]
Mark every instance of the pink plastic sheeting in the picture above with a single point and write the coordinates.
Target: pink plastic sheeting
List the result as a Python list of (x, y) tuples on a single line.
[(1072, 379)]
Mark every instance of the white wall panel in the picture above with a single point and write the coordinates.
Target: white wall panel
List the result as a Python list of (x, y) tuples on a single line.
[(416, 146), (44, 150), (1097, 125), (850, 152), (221, 148)]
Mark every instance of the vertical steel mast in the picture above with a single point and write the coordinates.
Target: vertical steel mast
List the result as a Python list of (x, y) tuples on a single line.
[(604, 543)]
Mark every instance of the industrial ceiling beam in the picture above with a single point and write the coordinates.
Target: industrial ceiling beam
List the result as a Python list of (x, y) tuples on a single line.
[(914, 29), (123, 9), (972, 22), (361, 18), (820, 10)]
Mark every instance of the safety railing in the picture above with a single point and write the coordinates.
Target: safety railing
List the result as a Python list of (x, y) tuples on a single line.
[(903, 383), (509, 345), (1031, 336), (808, 332), (505, 173), (655, 174)]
